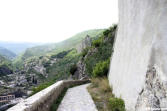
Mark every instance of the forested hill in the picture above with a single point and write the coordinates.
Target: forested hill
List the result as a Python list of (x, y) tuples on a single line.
[(7, 53), (77, 57), (92, 61), (5, 66), (64, 45)]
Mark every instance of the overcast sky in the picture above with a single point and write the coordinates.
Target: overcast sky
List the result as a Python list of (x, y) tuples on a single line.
[(53, 20)]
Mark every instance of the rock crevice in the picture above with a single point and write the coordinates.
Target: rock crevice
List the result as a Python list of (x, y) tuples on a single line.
[(153, 95)]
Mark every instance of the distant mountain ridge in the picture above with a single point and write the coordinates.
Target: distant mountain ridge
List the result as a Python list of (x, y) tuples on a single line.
[(17, 47), (55, 48), (7, 53), (64, 45)]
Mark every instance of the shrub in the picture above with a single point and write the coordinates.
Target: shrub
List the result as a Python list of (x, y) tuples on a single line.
[(99, 54), (84, 52), (105, 87), (102, 84), (116, 104), (40, 57), (98, 42), (47, 64), (106, 32), (101, 68), (61, 54), (95, 82), (113, 27)]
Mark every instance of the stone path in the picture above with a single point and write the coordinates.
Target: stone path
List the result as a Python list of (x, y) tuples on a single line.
[(77, 99)]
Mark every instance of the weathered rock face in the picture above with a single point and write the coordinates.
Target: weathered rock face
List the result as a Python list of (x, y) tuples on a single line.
[(86, 42), (138, 71), (81, 71), (81, 66), (153, 94)]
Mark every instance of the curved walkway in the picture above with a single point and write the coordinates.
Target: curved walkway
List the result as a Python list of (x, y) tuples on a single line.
[(77, 99)]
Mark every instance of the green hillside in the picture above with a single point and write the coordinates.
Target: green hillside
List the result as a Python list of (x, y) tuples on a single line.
[(7, 53), (3, 60), (58, 47), (5, 66)]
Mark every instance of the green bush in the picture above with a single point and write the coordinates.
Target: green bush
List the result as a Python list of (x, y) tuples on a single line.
[(47, 64), (116, 104), (100, 54), (106, 32), (98, 42), (101, 68), (61, 54), (114, 27), (84, 52)]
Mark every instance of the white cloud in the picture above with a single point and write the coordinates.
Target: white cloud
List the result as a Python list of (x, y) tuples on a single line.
[(53, 20)]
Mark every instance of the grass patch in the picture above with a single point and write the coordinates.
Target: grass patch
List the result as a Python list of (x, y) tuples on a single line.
[(101, 92), (103, 97), (56, 104), (116, 104)]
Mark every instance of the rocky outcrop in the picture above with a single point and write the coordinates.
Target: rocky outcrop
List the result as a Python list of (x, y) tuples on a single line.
[(81, 67), (138, 71), (81, 71), (153, 95), (86, 42), (37, 65)]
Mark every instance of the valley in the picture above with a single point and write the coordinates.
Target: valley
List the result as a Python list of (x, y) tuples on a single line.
[(39, 67)]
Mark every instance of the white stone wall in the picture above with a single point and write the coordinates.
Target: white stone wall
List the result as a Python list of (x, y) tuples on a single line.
[(45, 98), (141, 42)]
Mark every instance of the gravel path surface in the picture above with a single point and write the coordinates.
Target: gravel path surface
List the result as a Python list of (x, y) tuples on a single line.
[(77, 99)]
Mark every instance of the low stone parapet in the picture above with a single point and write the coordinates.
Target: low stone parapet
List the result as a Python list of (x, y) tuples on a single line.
[(45, 98)]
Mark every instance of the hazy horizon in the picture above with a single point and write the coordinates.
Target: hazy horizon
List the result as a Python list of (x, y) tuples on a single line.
[(41, 21), (43, 42)]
